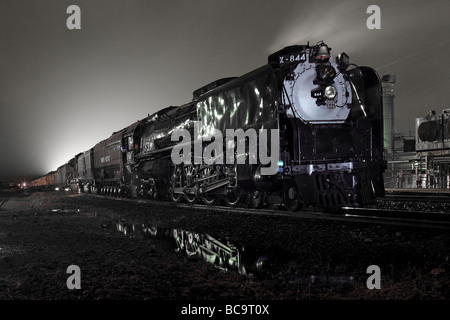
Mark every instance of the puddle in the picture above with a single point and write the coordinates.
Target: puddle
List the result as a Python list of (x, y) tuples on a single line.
[(66, 210), (224, 255), (82, 211)]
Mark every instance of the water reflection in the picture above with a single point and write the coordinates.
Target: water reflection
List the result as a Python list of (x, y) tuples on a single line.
[(223, 255)]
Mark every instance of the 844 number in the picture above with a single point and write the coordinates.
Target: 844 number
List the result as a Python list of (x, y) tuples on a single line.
[(291, 58)]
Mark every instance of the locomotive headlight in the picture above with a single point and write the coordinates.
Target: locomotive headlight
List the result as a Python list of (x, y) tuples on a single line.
[(330, 92)]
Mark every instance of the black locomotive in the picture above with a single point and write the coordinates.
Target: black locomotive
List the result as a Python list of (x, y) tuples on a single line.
[(301, 130)]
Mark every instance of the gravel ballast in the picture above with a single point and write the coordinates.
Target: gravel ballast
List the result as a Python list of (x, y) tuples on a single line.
[(43, 233)]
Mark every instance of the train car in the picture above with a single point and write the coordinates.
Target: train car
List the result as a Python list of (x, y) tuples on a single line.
[(48, 181), (72, 181), (52, 178), (84, 170), (108, 165), (61, 179), (44, 182), (135, 185), (153, 164), (40, 182), (62, 176)]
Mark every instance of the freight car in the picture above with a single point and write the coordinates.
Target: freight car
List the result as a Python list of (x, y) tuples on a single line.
[(301, 130), (49, 180)]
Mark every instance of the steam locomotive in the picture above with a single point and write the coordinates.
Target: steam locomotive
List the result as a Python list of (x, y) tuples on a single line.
[(302, 130)]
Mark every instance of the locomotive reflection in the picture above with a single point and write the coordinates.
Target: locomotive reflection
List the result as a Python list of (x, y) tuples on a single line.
[(225, 256)]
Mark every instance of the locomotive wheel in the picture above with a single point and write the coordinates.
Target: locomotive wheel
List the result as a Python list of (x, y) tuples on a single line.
[(233, 197), (256, 199), (175, 197), (209, 199), (175, 182), (190, 198), (291, 196), (206, 172), (190, 175)]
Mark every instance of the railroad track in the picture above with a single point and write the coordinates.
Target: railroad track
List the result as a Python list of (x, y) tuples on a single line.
[(416, 219), (360, 215), (417, 197), (422, 220), (428, 195), (3, 200)]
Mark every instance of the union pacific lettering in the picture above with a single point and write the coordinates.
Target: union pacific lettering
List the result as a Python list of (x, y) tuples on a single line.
[(105, 159)]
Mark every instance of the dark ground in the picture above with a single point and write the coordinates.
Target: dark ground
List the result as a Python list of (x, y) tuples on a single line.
[(42, 233)]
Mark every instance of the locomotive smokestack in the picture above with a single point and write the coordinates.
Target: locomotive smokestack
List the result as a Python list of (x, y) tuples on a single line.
[(388, 111)]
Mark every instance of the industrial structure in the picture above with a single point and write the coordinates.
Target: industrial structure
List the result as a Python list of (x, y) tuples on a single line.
[(419, 159)]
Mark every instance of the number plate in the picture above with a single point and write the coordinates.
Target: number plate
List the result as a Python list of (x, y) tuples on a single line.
[(293, 58)]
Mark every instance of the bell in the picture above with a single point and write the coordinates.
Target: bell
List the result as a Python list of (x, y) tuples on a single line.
[(323, 52)]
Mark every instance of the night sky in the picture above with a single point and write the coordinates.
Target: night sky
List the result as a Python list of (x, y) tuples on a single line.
[(62, 91)]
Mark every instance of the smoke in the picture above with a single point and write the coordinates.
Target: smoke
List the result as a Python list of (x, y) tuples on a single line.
[(410, 44), (63, 91), (336, 23)]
